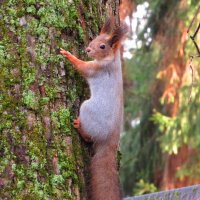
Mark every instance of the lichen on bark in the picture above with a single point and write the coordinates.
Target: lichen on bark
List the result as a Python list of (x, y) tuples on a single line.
[(42, 156)]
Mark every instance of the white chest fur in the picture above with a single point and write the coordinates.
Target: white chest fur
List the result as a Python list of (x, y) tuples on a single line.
[(100, 114)]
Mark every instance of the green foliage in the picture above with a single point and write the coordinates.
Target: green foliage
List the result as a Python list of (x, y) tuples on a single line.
[(159, 9), (170, 141), (143, 188), (137, 145), (139, 70), (184, 129), (144, 144)]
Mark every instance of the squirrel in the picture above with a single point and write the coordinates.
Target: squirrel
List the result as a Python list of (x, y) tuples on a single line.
[(101, 116)]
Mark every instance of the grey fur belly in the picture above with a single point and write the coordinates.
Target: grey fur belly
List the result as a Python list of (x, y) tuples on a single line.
[(97, 119)]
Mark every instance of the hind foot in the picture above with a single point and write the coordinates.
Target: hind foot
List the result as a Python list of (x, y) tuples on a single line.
[(77, 125)]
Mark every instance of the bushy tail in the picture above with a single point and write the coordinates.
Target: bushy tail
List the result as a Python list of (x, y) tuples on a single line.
[(105, 181)]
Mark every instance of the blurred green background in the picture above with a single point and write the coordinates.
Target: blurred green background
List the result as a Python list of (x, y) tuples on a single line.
[(161, 140)]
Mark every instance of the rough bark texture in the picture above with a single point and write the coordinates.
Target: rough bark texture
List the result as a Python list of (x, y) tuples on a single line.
[(42, 157)]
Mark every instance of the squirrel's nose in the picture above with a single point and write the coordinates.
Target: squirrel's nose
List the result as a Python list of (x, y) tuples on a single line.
[(88, 49)]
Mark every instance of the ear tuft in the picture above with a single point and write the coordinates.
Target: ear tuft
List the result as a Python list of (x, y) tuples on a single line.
[(118, 35), (108, 25)]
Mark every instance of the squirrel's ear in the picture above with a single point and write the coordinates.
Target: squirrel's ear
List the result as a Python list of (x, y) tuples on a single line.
[(118, 35), (108, 25)]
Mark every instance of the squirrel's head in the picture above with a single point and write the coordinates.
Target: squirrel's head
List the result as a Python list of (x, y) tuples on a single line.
[(109, 40)]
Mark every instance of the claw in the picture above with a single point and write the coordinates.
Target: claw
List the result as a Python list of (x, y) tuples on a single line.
[(65, 53)]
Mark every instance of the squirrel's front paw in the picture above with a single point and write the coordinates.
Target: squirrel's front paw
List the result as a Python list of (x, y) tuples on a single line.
[(65, 53)]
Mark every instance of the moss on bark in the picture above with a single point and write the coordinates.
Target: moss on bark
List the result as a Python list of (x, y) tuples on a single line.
[(42, 156)]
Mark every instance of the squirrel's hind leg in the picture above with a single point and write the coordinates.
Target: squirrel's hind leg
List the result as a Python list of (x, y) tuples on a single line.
[(77, 125)]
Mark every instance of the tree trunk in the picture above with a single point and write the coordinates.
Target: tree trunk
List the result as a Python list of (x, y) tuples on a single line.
[(42, 156), (172, 37)]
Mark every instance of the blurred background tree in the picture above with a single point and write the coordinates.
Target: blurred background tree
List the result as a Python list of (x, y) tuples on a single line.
[(161, 141)]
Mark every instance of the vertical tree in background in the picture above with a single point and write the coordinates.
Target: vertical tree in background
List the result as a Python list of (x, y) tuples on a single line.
[(171, 34), (161, 145), (42, 156), (168, 99)]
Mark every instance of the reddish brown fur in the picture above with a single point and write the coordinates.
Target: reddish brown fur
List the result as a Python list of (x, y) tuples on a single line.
[(105, 182), (84, 67), (108, 26), (117, 36), (96, 52)]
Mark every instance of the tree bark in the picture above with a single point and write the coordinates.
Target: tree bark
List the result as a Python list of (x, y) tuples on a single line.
[(42, 156)]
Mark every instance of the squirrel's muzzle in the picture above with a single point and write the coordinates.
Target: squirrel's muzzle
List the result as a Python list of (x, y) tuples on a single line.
[(88, 49)]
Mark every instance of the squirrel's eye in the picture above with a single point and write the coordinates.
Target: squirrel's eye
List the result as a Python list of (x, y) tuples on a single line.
[(102, 46)]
